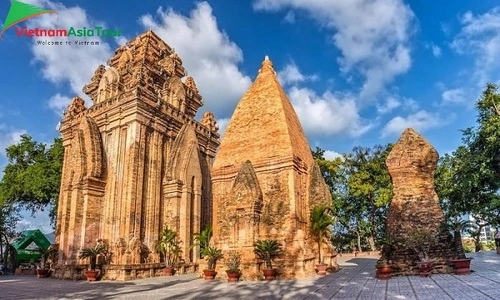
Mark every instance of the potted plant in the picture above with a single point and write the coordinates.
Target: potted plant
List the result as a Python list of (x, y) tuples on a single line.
[(321, 220), (384, 269), (168, 246), (383, 266), (267, 250), (47, 254), (202, 239), (421, 241), (91, 253), (212, 255), (461, 263), (233, 263)]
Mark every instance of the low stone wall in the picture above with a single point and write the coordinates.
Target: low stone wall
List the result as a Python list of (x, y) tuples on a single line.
[(408, 268), (299, 268), (120, 272), (72, 272)]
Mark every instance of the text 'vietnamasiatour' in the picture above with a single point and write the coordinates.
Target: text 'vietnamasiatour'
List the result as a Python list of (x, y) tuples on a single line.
[(83, 32)]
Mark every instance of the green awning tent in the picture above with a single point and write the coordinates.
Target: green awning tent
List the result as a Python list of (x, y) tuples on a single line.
[(27, 246)]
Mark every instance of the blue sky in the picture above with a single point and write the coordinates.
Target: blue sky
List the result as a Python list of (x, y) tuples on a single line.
[(358, 72)]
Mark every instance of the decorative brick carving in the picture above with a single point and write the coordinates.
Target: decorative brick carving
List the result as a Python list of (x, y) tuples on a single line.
[(240, 217), (209, 121), (76, 107)]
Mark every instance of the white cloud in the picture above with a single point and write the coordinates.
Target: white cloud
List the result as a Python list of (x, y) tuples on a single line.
[(372, 36), (58, 103), (68, 64), (290, 17), (410, 104), (39, 220), (327, 114), (222, 123), (436, 50), (480, 37), (454, 96), (420, 121), (207, 53), (330, 155), (291, 74), (9, 136), (390, 104)]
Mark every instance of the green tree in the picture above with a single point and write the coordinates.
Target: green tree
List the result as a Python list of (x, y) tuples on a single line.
[(9, 216), (321, 220), (362, 190), (32, 176), (483, 165), (370, 187), (468, 181), (452, 196), (329, 168)]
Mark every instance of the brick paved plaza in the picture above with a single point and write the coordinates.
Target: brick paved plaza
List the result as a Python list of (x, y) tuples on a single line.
[(355, 280)]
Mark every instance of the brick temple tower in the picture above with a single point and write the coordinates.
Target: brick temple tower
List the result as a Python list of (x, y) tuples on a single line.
[(135, 160), (414, 212), (265, 181)]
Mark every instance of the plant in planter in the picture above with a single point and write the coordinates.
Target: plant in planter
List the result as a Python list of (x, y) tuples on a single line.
[(168, 246), (209, 253), (212, 255), (384, 269), (421, 241), (321, 220), (47, 254), (202, 239), (91, 253), (268, 250), (461, 263), (233, 263)]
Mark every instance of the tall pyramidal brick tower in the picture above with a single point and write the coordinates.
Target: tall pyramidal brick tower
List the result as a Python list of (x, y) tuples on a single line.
[(265, 181)]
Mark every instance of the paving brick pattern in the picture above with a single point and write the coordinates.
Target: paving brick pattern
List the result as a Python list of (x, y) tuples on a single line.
[(355, 280)]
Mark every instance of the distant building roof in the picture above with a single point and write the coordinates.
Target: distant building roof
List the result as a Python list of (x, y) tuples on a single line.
[(30, 237)]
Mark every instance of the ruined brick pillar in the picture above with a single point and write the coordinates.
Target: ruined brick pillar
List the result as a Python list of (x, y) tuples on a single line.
[(415, 204)]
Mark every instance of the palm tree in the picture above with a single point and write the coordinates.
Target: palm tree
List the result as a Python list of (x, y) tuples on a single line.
[(92, 253), (202, 239), (212, 255), (168, 245), (267, 250), (457, 226), (47, 254), (321, 220)]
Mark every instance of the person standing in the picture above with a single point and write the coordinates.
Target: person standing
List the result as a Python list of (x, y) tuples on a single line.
[(2, 272), (497, 240)]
